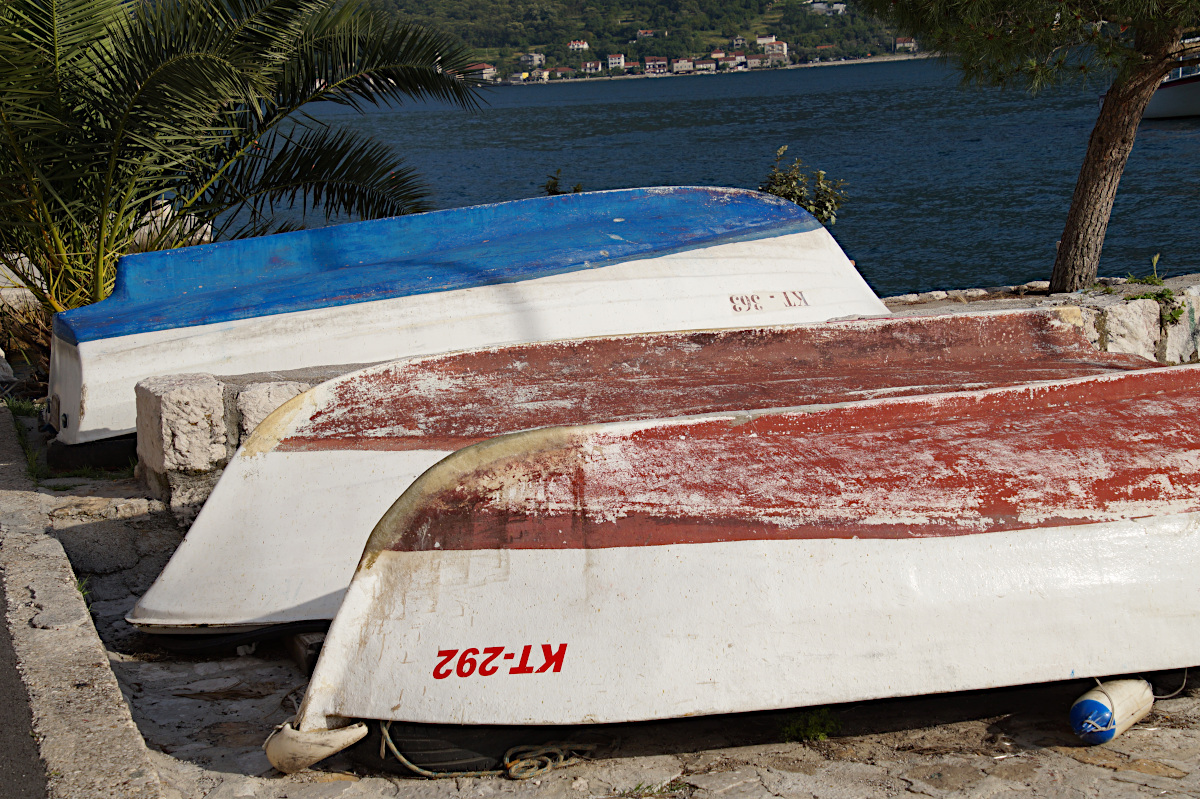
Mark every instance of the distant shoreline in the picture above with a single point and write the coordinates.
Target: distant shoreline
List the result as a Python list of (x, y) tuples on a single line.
[(875, 59)]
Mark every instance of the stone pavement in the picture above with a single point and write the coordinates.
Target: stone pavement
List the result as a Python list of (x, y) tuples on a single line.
[(116, 715), (21, 771)]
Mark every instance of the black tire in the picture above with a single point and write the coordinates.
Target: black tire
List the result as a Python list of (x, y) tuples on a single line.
[(447, 747)]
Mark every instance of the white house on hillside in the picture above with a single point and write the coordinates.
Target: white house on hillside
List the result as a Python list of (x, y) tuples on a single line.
[(577, 45), (486, 72)]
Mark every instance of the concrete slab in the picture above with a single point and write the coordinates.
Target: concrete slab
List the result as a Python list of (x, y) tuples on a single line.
[(86, 735)]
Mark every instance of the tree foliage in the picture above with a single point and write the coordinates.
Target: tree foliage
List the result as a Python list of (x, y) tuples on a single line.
[(1133, 44), (605, 23), (1037, 43), (144, 125), (853, 34)]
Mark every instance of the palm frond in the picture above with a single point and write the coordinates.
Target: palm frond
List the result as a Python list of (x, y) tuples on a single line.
[(128, 125), (316, 170)]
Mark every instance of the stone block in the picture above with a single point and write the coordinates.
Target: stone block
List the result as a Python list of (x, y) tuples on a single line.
[(1133, 327), (184, 492), (256, 401), (1091, 319), (1181, 338), (180, 423)]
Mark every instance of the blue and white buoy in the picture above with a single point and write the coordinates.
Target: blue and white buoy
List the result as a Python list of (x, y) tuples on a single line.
[(1110, 708)]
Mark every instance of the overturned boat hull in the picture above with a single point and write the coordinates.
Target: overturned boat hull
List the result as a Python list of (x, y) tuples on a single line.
[(604, 263), (279, 539), (1176, 97), (757, 560)]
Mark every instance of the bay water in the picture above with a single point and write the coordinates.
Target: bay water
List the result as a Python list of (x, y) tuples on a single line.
[(948, 187)]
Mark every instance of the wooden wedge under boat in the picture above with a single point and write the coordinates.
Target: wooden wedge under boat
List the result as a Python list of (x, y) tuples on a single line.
[(602, 263), (278, 540), (758, 559)]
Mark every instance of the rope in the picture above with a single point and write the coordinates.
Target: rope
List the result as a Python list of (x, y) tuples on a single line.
[(1178, 691), (520, 762), (1112, 712)]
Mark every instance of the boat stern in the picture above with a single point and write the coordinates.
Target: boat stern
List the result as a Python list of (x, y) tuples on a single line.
[(66, 397)]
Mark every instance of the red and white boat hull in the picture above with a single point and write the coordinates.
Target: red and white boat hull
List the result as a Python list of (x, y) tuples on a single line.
[(757, 560), (279, 538)]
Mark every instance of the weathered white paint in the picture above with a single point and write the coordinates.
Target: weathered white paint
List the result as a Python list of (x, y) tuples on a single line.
[(95, 380), (279, 540), (661, 632)]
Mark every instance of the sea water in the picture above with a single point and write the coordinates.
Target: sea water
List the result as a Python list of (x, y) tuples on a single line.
[(948, 187)]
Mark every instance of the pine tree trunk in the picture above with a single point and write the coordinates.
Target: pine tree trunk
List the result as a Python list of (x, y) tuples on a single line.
[(1108, 150)]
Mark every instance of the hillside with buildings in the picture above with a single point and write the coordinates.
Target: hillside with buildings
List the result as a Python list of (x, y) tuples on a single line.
[(548, 39)]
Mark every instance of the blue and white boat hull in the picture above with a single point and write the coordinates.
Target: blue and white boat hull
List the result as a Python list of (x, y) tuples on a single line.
[(607, 263)]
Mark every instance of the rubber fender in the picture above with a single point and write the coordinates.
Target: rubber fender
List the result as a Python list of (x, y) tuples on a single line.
[(291, 750), (1110, 708)]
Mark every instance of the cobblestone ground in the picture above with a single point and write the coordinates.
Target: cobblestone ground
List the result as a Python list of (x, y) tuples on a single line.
[(205, 718)]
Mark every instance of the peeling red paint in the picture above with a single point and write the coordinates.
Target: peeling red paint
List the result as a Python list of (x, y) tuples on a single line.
[(1092, 450), (448, 402)]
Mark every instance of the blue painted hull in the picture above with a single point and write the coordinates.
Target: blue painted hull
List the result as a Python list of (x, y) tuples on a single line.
[(607, 263), (420, 254)]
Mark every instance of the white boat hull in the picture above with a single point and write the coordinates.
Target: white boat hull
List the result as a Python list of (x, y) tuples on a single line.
[(1175, 98), (758, 560), (92, 381), (665, 632)]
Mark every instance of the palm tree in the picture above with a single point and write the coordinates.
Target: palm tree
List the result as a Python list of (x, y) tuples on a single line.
[(146, 124)]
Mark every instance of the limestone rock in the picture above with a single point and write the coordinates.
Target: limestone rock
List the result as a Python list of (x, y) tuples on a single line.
[(1134, 327), (257, 401), (1091, 325), (180, 423), (1180, 338)]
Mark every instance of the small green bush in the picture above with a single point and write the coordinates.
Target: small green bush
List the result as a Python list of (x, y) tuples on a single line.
[(810, 725), (815, 193)]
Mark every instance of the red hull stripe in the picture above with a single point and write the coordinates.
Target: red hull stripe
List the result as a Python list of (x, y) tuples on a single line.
[(448, 402), (1171, 84), (1091, 450)]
